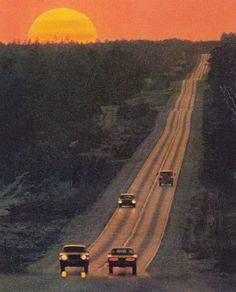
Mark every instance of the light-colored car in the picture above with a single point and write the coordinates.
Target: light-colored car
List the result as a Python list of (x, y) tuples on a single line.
[(74, 255), (127, 200)]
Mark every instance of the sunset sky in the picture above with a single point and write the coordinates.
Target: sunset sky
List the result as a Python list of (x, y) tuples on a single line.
[(128, 19)]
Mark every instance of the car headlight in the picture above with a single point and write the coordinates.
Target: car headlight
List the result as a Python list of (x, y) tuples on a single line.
[(133, 201), (63, 257), (83, 257), (119, 201)]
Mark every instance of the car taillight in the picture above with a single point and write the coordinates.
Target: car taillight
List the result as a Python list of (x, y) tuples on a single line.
[(113, 259), (130, 259), (160, 177), (172, 176)]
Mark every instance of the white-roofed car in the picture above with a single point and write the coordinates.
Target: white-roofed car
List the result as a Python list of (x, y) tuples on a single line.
[(127, 200), (74, 255)]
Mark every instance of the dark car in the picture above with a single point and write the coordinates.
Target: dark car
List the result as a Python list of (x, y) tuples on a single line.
[(127, 200), (122, 257), (166, 177), (74, 256)]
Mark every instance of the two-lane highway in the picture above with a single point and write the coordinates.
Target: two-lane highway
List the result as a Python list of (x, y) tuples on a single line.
[(143, 227)]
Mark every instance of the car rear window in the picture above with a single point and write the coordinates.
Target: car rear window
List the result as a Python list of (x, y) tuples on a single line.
[(122, 251), (166, 173), (74, 249)]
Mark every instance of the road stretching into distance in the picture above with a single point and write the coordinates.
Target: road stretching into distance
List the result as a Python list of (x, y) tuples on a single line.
[(143, 227)]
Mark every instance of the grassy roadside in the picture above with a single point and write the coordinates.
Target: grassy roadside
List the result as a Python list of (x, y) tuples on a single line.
[(201, 232), (209, 233)]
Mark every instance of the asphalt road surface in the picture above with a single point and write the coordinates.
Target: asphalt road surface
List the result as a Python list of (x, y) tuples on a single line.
[(142, 228)]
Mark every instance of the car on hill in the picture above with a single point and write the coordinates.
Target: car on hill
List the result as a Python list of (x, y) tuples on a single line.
[(166, 177), (127, 200), (74, 255), (122, 257)]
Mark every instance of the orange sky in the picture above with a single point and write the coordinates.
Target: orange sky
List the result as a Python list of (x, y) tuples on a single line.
[(128, 19)]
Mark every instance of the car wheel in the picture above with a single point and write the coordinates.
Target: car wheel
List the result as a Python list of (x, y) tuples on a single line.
[(63, 268), (86, 269), (110, 270), (134, 270)]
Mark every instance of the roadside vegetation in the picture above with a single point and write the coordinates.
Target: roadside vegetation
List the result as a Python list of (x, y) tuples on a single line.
[(67, 126), (220, 154), (212, 217)]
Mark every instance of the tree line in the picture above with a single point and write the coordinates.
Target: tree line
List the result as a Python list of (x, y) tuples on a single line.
[(51, 95), (219, 170)]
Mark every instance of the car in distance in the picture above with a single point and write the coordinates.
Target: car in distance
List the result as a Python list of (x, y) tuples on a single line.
[(127, 200), (74, 255), (166, 177), (122, 257)]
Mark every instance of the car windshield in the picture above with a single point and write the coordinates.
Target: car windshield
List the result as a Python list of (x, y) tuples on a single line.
[(166, 173), (130, 197), (122, 251), (74, 249)]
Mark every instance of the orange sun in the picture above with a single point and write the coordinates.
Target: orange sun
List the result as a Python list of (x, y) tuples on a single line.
[(62, 25)]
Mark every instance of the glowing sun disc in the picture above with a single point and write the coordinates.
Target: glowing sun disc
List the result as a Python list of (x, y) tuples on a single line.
[(62, 25)]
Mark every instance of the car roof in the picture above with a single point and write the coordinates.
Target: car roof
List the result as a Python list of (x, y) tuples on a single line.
[(127, 194), (127, 247), (74, 245)]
